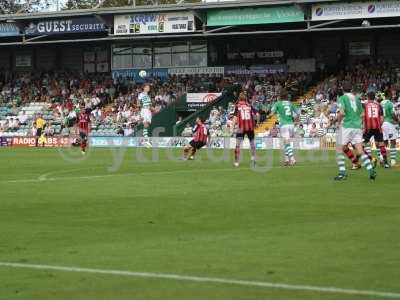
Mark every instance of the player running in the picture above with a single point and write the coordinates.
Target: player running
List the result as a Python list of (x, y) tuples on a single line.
[(145, 112), (200, 138), (84, 127), (390, 134), (244, 119), (350, 119), (286, 112), (373, 120)]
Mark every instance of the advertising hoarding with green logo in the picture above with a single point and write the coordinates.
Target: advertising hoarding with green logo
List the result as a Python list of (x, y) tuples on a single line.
[(260, 15)]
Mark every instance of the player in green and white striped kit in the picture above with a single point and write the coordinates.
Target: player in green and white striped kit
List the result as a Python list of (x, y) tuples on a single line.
[(145, 112), (350, 131), (390, 134), (286, 112)]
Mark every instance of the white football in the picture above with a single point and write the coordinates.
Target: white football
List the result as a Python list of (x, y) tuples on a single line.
[(143, 73)]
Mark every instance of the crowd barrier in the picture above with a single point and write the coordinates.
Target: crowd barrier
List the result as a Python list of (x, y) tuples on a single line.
[(174, 142), (214, 143)]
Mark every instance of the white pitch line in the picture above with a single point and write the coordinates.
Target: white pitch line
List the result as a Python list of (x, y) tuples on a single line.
[(44, 177), (284, 286)]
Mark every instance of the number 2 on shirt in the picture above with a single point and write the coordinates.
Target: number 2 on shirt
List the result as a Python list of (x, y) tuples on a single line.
[(288, 111)]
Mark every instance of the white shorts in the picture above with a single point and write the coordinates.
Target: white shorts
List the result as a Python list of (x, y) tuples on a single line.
[(345, 136), (145, 114), (389, 131), (287, 131)]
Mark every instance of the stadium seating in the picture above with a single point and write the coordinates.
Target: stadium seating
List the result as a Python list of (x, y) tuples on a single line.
[(117, 100), (64, 92), (262, 92), (319, 104)]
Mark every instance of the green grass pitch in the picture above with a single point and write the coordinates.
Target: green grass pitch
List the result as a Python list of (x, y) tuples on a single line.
[(202, 218)]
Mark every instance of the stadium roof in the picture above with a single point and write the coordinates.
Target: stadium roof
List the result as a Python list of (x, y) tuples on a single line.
[(152, 8)]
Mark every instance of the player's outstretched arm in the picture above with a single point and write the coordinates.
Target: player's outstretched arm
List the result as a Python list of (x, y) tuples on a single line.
[(270, 115), (273, 110)]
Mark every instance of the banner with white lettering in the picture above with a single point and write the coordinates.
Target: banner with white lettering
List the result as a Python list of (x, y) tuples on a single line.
[(355, 10), (48, 142), (255, 69), (214, 142), (254, 54), (198, 100), (154, 23), (359, 48), (23, 61), (63, 26), (196, 70), (140, 75)]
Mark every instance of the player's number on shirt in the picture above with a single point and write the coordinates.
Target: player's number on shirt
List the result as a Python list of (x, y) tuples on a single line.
[(288, 111), (353, 104), (245, 114), (372, 112)]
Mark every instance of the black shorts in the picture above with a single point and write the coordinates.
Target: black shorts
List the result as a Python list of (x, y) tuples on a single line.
[(249, 134), (39, 131), (83, 135), (197, 145), (376, 133)]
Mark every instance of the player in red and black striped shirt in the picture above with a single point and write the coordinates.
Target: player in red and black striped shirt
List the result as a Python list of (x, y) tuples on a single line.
[(84, 127), (200, 138), (373, 120), (245, 121)]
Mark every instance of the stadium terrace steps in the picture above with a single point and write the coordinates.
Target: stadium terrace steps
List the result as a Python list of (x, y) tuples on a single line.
[(228, 95), (269, 123), (164, 120), (108, 108), (266, 125)]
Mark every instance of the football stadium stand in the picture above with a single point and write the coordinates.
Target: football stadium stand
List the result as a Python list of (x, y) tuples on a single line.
[(115, 112)]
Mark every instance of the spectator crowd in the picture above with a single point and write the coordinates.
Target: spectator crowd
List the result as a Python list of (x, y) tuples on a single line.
[(114, 102), (319, 108), (262, 91), (116, 111)]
